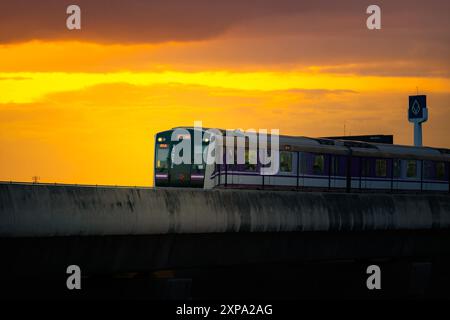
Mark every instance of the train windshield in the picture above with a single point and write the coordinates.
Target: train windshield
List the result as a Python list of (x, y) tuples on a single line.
[(162, 156)]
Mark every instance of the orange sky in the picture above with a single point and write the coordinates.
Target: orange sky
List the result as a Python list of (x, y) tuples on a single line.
[(83, 106)]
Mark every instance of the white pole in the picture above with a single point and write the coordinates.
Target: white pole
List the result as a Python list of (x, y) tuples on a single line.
[(418, 134)]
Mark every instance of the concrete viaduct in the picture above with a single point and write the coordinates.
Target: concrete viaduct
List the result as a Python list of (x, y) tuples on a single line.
[(111, 230)]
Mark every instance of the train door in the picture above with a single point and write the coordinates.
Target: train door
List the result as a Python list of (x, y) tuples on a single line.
[(180, 174), (396, 173), (365, 173), (301, 168), (333, 169)]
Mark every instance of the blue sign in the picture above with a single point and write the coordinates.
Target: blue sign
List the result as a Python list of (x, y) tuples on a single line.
[(416, 106)]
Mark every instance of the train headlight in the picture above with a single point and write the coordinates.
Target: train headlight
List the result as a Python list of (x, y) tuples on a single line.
[(161, 139), (206, 140)]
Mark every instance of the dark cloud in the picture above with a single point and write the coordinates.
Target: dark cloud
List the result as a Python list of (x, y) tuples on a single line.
[(131, 20), (134, 21), (414, 39)]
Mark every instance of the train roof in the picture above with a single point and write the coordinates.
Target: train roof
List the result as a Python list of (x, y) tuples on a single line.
[(345, 147), (364, 149)]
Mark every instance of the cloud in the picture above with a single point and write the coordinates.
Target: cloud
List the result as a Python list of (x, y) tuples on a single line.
[(237, 35), (14, 78), (115, 21), (131, 21), (44, 83), (319, 91)]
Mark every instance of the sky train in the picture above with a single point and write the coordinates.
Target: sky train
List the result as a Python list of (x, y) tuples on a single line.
[(311, 164)]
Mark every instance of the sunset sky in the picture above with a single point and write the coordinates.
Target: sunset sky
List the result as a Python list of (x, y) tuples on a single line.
[(83, 106)]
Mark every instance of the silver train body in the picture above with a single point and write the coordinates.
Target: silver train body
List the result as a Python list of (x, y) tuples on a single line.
[(326, 164)]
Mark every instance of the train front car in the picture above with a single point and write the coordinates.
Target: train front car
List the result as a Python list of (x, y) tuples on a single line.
[(168, 173)]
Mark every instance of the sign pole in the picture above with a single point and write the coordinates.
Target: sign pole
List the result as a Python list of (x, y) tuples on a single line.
[(418, 134)]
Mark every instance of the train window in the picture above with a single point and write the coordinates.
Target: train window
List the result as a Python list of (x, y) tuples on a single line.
[(285, 162), (161, 158), (397, 168), (318, 166), (440, 170), (380, 167), (250, 159), (411, 168), (230, 156)]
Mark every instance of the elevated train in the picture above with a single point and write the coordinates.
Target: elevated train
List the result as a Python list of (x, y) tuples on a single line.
[(312, 164)]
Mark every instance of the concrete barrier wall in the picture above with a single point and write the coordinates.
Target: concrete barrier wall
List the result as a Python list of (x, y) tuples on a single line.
[(47, 210)]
